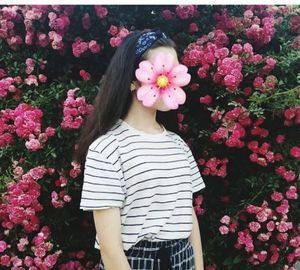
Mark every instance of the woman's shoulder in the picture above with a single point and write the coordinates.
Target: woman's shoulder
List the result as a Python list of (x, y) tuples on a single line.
[(176, 136), (106, 140), (179, 140), (105, 144)]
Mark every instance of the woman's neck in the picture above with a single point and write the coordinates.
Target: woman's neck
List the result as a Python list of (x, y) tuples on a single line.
[(142, 118)]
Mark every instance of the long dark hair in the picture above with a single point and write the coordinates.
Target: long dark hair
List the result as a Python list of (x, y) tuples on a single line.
[(114, 96)]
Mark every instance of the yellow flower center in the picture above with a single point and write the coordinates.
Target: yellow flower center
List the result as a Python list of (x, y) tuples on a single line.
[(162, 81)]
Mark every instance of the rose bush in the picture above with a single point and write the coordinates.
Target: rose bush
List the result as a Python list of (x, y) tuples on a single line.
[(241, 120)]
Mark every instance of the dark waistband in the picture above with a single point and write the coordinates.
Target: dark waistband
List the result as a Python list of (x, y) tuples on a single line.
[(152, 247), (165, 243)]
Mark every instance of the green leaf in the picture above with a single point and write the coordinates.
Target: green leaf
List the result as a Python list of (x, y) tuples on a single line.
[(237, 259), (228, 261)]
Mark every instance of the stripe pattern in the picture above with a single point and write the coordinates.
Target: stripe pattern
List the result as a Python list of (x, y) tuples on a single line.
[(150, 177)]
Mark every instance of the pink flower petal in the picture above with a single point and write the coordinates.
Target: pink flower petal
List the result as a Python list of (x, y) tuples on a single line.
[(173, 96), (145, 73), (178, 94), (182, 80), (163, 63), (170, 102), (179, 75), (178, 70), (148, 94)]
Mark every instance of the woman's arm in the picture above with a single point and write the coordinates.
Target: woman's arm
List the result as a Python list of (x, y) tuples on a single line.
[(195, 240), (108, 228)]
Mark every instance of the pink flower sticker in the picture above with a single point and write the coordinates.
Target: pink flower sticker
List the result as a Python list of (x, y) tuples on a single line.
[(162, 78)]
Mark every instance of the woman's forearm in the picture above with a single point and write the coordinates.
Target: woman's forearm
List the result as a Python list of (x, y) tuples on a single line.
[(195, 239), (115, 259), (108, 228)]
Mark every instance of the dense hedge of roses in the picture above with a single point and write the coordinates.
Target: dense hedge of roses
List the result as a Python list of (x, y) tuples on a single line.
[(241, 120)]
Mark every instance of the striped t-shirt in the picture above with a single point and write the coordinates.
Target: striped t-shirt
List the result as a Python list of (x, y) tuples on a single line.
[(151, 177)]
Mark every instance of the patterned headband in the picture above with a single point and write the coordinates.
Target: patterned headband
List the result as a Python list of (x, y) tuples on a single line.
[(146, 40)]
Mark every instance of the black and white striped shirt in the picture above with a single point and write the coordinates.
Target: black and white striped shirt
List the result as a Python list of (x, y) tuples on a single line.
[(151, 177)]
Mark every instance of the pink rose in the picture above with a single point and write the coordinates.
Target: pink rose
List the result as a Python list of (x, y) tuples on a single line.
[(3, 246), (271, 226), (284, 226), (206, 100), (223, 229), (50, 131), (292, 193), (42, 78), (280, 138), (264, 236), (254, 226), (101, 11), (236, 48), (94, 46), (193, 28), (248, 14), (5, 260), (225, 220), (295, 152), (258, 82), (168, 15), (262, 255), (113, 30), (33, 145), (277, 196), (115, 41)]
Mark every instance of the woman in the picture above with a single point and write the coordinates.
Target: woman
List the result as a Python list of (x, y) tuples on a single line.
[(139, 176)]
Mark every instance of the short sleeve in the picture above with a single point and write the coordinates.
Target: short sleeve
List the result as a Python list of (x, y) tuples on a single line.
[(196, 178), (101, 183)]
